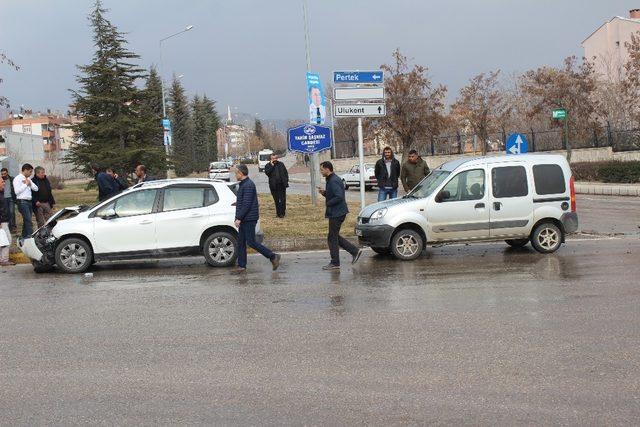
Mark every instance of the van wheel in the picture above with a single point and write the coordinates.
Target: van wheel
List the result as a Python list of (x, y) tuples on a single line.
[(74, 255), (220, 249), (517, 243), (406, 245), (381, 251), (546, 238), (344, 184)]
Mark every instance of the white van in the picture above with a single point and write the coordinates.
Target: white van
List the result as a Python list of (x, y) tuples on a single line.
[(264, 157), (519, 199)]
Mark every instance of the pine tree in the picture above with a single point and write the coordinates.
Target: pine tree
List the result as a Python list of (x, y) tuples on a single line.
[(200, 159), (114, 123), (152, 109), (181, 122), (213, 124)]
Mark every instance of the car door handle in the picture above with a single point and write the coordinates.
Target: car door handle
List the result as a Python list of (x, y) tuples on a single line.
[(497, 206), (195, 215), (479, 206), (146, 222)]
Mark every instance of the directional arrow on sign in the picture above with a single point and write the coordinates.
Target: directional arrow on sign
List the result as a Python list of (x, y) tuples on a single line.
[(517, 147)]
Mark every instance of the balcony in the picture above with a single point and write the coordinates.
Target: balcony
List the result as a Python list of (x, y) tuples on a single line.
[(48, 134)]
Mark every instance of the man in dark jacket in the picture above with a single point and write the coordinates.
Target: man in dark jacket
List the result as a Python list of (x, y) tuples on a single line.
[(120, 181), (141, 174), (5, 233), (107, 186), (387, 173), (278, 183), (43, 200), (336, 211), (413, 171), (247, 215), (9, 199)]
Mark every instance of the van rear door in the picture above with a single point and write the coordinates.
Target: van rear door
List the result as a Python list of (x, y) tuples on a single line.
[(511, 200)]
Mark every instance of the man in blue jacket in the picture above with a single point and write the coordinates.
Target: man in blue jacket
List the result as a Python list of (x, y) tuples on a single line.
[(336, 212), (247, 215)]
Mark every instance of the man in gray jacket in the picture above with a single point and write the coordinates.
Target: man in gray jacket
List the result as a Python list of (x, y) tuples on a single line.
[(413, 171)]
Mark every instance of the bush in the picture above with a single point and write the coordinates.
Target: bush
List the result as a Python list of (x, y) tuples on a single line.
[(57, 183), (614, 172)]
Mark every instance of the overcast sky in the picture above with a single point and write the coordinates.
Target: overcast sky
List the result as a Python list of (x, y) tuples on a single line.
[(250, 53)]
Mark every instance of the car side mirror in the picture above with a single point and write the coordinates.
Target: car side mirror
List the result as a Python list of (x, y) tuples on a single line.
[(442, 196), (109, 214)]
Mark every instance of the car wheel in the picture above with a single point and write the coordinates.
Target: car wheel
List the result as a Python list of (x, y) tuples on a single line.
[(344, 183), (40, 268), (517, 243), (74, 255), (406, 245), (381, 251), (546, 238), (220, 249)]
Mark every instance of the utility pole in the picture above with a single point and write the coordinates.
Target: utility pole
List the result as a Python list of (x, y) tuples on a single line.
[(314, 156)]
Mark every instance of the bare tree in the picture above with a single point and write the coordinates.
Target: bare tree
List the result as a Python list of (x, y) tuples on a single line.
[(481, 105), (415, 107), (4, 102)]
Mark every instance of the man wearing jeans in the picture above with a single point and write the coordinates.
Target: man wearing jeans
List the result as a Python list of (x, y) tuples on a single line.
[(9, 199), (23, 188), (43, 200), (387, 173), (247, 215), (336, 212)]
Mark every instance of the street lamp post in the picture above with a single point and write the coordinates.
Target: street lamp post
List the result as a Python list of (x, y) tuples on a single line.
[(164, 107)]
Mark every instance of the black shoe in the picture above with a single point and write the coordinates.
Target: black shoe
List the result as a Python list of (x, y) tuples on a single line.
[(239, 270), (275, 262), (357, 256), (331, 266)]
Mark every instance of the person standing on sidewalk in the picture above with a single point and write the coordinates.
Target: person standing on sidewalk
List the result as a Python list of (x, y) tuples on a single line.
[(23, 188), (278, 183), (387, 172), (5, 233), (9, 201), (247, 215), (336, 211), (413, 171), (43, 200)]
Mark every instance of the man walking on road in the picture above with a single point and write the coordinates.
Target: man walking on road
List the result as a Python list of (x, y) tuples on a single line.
[(5, 233), (43, 200), (9, 200), (247, 215), (387, 172), (413, 171), (336, 211), (278, 183), (23, 188)]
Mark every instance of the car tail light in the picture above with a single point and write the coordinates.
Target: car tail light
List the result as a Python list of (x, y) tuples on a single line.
[(572, 188)]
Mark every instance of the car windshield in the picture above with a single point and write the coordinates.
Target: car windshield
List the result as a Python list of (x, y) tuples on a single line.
[(218, 166), (428, 184)]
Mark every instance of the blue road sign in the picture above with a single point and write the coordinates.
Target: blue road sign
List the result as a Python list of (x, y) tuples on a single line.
[(309, 138), (516, 144), (358, 77)]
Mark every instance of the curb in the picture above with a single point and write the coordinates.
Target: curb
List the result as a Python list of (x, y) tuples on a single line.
[(603, 189)]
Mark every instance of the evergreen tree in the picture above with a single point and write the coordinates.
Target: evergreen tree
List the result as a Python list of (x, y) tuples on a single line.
[(212, 126), (152, 109), (114, 126), (200, 159), (181, 122)]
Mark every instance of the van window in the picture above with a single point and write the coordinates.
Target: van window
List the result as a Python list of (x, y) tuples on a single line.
[(509, 181), (467, 185), (549, 179)]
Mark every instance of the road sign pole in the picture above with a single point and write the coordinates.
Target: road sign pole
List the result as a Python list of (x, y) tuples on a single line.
[(361, 155)]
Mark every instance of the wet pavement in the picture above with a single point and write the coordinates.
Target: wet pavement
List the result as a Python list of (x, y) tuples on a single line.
[(480, 334)]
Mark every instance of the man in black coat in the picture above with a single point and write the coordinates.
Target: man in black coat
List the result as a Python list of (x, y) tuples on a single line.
[(278, 183), (107, 186), (9, 198), (336, 211), (387, 173), (247, 215), (42, 199)]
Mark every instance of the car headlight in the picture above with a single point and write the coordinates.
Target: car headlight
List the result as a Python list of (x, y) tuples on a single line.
[(378, 214)]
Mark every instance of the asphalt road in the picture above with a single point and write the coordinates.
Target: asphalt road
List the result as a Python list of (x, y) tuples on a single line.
[(479, 334)]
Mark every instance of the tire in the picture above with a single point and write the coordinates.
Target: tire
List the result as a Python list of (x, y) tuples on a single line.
[(381, 251), (220, 249), (517, 243), (344, 183), (546, 238), (406, 245), (41, 268), (73, 255)]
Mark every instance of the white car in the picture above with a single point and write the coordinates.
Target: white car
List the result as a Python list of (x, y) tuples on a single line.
[(156, 219), (220, 170), (352, 177), (516, 198)]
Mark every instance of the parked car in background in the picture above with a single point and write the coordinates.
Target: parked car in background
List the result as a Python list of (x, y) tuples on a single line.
[(156, 219), (518, 199), (352, 177), (264, 157), (219, 170)]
